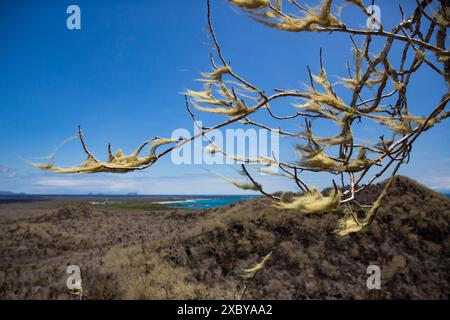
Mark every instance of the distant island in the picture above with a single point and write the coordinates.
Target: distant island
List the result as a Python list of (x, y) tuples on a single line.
[(10, 193)]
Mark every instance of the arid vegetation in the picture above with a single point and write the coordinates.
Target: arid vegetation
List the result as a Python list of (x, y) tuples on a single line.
[(201, 253)]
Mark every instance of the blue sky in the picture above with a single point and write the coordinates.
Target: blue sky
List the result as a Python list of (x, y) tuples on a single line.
[(121, 78)]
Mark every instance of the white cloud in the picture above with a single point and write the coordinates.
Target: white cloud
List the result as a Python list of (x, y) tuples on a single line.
[(7, 172), (438, 182), (82, 183), (202, 183)]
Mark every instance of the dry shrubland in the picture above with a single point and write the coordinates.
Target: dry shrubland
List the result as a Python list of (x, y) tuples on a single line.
[(409, 240)]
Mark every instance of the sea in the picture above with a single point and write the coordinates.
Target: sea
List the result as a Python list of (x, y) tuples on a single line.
[(204, 202), (170, 201)]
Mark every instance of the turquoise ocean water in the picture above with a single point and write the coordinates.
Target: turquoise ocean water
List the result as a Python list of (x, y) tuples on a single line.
[(205, 202)]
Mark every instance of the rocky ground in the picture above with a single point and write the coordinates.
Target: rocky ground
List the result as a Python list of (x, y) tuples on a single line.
[(170, 254)]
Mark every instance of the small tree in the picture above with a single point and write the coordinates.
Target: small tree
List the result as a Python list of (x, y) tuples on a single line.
[(379, 93)]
